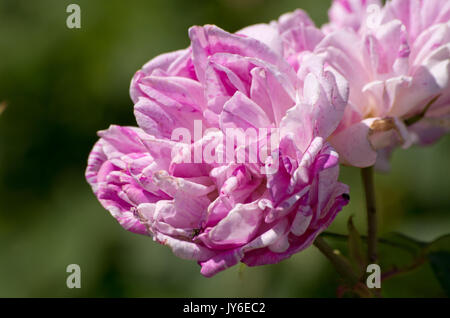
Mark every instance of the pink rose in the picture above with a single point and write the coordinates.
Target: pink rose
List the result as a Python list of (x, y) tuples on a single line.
[(222, 212), (397, 61)]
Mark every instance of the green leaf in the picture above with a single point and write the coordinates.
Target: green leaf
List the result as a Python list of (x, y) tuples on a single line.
[(438, 253), (440, 263), (355, 247), (396, 251), (440, 244), (404, 242), (404, 254)]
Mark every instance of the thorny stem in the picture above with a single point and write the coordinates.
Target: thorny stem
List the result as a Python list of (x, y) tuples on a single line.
[(342, 267), (397, 271), (367, 176)]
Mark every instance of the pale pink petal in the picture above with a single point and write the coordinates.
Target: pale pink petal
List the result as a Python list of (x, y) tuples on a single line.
[(241, 112), (353, 145), (349, 13), (209, 40), (238, 227), (221, 262), (266, 33)]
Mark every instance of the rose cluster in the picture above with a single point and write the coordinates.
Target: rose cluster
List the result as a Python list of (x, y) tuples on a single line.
[(372, 79)]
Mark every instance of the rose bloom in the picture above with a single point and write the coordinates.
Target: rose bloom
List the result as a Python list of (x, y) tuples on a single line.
[(397, 61), (220, 212)]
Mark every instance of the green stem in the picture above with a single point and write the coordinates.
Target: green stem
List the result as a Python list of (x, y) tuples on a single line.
[(342, 267), (367, 176)]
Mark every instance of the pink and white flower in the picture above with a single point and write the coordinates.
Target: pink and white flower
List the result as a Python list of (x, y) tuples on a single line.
[(397, 62), (222, 213)]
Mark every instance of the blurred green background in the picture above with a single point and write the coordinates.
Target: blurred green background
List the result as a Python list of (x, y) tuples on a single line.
[(63, 85)]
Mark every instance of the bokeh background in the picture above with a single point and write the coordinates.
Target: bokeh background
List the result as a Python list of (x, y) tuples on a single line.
[(63, 85)]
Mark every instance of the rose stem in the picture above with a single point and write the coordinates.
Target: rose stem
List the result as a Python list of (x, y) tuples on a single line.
[(342, 267), (367, 177)]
